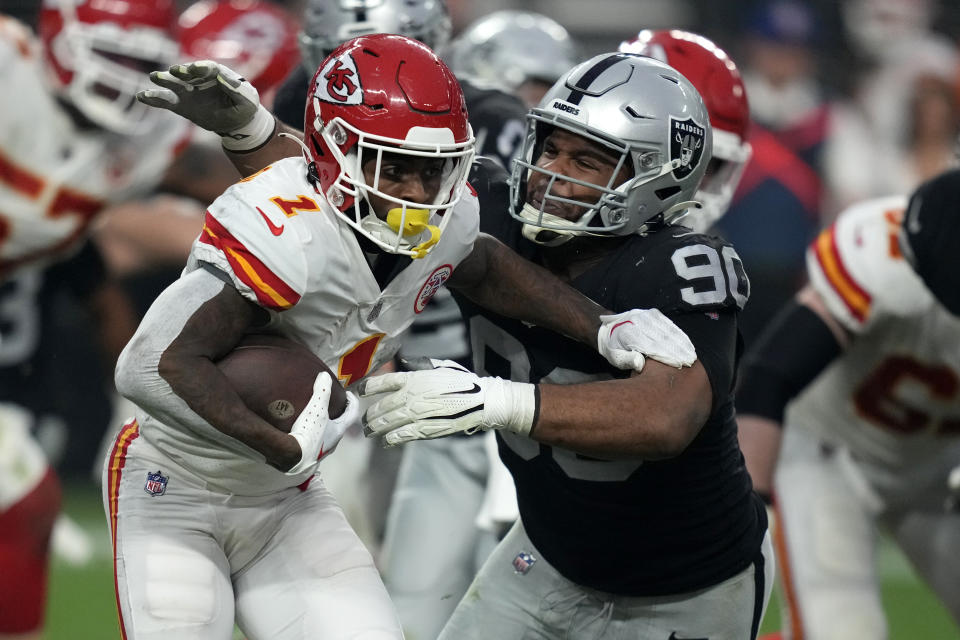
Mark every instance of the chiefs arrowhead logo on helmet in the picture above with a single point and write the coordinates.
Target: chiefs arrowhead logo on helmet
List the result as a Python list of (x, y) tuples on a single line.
[(342, 82)]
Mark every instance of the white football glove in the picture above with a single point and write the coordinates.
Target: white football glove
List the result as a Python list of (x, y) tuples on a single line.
[(316, 433), (215, 98), (443, 399), (626, 339)]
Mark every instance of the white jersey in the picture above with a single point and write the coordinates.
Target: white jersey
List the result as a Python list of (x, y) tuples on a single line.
[(285, 249), (893, 397), (55, 177)]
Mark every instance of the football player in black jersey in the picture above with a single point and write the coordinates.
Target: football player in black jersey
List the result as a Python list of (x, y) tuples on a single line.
[(637, 514)]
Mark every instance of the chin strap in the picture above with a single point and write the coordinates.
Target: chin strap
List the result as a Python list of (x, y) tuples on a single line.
[(414, 223)]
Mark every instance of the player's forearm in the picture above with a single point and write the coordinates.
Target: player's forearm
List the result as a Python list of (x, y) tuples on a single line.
[(198, 382), (653, 415), (276, 148), (170, 360), (760, 443), (501, 281)]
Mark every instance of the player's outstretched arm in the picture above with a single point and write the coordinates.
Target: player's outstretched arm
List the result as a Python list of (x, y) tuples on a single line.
[(497, 278), (216, 98), (653, 414)]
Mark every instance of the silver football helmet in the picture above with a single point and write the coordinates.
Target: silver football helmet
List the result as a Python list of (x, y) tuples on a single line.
[(639, 110), (508, 48), (328, 23)]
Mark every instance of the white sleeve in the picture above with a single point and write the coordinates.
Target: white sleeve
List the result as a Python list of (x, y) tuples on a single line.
[(137, 377)]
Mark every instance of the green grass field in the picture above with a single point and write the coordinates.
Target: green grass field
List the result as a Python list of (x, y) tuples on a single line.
[(82, 605)]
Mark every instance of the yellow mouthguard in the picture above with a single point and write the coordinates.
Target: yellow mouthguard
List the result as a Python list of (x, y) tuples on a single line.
[(415, 224)]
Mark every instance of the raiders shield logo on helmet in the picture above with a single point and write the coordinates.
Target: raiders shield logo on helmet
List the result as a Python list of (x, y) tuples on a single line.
[(338, 82), (686, 144)]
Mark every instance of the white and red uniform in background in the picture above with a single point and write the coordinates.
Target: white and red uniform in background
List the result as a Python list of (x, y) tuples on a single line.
[(284, 248), (54, 176), (54, 180), (872, 440)]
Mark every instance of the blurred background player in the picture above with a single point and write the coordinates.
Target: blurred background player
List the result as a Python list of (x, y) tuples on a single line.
[(861, 376), (520, 52), (255, 38), (146, 247), (72, 141)]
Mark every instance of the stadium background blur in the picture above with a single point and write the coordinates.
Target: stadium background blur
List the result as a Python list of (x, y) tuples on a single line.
[(81, 601)]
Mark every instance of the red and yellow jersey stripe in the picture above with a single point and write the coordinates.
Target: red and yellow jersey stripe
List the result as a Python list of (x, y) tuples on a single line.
[(271, 291), (828, 257)]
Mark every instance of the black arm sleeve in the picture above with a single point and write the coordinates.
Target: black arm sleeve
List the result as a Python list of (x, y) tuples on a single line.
[(788, 355)]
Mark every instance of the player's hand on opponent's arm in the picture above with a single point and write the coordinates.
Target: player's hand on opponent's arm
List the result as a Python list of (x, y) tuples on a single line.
[(444, 398), (216, 98), (315, 431), (627, 339)]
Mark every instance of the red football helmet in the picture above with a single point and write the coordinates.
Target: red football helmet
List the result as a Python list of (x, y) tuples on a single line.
[(381, 94), (256, 39), (718, 81), (99, 54)]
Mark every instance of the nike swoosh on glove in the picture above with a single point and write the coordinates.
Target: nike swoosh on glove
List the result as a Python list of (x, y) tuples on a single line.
[(315, 431), (626, 339), (215, 98), (443, 399)]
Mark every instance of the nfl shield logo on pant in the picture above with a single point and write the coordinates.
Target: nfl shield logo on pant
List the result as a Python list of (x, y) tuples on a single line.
[(156, 483), (523, 562)]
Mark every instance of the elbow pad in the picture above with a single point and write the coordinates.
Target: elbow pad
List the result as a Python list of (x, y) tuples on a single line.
[(790, 353)]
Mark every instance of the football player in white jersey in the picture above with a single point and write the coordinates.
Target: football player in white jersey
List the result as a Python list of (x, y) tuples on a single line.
[(217, 516), (861, 376), (72, 141)]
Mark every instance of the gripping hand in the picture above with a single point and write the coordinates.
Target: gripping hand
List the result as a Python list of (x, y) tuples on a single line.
[(215, 98), (625, 339), (314, 430), (445, 398)]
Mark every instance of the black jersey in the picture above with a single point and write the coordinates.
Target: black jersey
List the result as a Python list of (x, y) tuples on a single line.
[(289, 104), (631, 527)]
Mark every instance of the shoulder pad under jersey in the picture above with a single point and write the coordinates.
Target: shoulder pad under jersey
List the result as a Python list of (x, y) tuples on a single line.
[(857, 267), (256, 231)]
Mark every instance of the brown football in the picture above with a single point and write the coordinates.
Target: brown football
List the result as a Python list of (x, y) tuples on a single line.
[(274, 377)]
